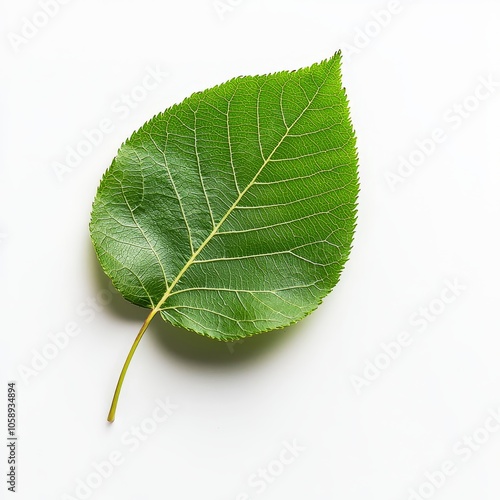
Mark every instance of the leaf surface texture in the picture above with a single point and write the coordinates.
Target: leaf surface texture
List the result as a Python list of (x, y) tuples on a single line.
[(233, 212)]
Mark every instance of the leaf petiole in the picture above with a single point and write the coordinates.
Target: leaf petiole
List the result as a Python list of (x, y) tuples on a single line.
[(114, 403)]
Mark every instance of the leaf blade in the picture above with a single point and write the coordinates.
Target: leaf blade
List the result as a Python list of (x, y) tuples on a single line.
[(208, 200)]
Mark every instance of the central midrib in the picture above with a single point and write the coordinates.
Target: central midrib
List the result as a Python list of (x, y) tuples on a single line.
[(228, 213)]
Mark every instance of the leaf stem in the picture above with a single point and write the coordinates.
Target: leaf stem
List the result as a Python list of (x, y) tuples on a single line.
[(114, 403)]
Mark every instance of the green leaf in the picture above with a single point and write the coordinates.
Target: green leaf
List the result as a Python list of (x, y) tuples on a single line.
[(233, 212)]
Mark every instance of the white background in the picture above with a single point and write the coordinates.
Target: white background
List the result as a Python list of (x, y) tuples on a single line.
[(238, 404)]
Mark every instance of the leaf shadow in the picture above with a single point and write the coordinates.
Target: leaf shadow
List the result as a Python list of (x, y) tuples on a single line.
[(206, 351), (118, 306), (186, 345)]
